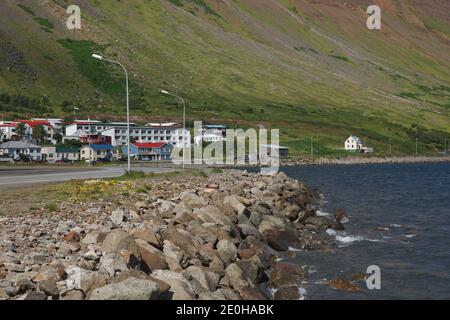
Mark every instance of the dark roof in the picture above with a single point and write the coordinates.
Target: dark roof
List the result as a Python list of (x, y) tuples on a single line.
[(101, 147), (66, 150), (18, 145), (215, 126)]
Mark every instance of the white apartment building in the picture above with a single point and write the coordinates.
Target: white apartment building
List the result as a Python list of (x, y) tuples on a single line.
[(7, 130), (161, 132), (56, 123)]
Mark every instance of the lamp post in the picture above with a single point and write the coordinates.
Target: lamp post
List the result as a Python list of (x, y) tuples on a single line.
[(99, 57), (184, 121), (89, 141)]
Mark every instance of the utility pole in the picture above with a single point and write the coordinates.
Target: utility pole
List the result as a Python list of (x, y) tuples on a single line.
[(184, 122), (99, 57), (89, 140)]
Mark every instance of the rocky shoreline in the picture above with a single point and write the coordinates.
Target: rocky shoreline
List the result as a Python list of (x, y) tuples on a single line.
[(220, 236), (360, 160)]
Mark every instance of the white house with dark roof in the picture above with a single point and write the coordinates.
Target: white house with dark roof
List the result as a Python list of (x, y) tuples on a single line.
[(13, 149), (353, 143)]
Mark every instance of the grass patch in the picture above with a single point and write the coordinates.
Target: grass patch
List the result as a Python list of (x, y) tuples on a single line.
[(52, 207), (207, 8), (343, 58), (46, 25), (96, 71), (133, 175), (26, 9), (178, 3)]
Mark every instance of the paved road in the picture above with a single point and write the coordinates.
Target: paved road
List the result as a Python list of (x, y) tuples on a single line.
[(20, 176)]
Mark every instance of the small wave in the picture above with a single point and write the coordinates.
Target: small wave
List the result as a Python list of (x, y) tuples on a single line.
[(410, 235), (349, 239), (294, 249), (321, 281), (312, 269), (322, 213), (395, 225)]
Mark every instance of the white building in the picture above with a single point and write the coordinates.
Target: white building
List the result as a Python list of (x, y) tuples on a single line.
[(94, 125), (98, 152), (118, 131), (7, 130), (208, 137), (13, 149), (56, 123), (56, 154), (210, 133), (353, 143), (75, 137), (30, 125)]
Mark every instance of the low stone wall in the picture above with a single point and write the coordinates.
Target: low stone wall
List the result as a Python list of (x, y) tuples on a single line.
[(214, 237), (361, 160)]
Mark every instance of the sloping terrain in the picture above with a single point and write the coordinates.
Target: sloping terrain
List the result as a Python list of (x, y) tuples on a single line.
[(308, 67)]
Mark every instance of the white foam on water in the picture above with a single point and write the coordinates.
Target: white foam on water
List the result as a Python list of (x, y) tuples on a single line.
[(345, 220), (294, 249), (279, 259), (331, 232), (410, 235), (312, 269), (395, 225), (322, 213), (321, 281), (349, 239)]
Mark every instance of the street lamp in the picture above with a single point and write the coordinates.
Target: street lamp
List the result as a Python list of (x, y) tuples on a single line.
[(99, 57), (184, 121)]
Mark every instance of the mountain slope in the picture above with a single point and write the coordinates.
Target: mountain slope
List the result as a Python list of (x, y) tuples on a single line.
[(309, 67)]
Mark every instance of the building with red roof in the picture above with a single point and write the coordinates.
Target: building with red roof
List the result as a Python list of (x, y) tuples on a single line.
[(7, 130), (149, 151), (30, 125)]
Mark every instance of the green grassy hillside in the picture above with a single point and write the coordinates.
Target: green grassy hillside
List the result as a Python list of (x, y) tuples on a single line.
[(310, 68)]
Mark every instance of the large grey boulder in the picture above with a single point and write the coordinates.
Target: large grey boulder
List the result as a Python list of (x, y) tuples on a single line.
[(119, 240), (236, 277), (180, 288), (208, 279), (130, 289), (227, 251), (150, 256)]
